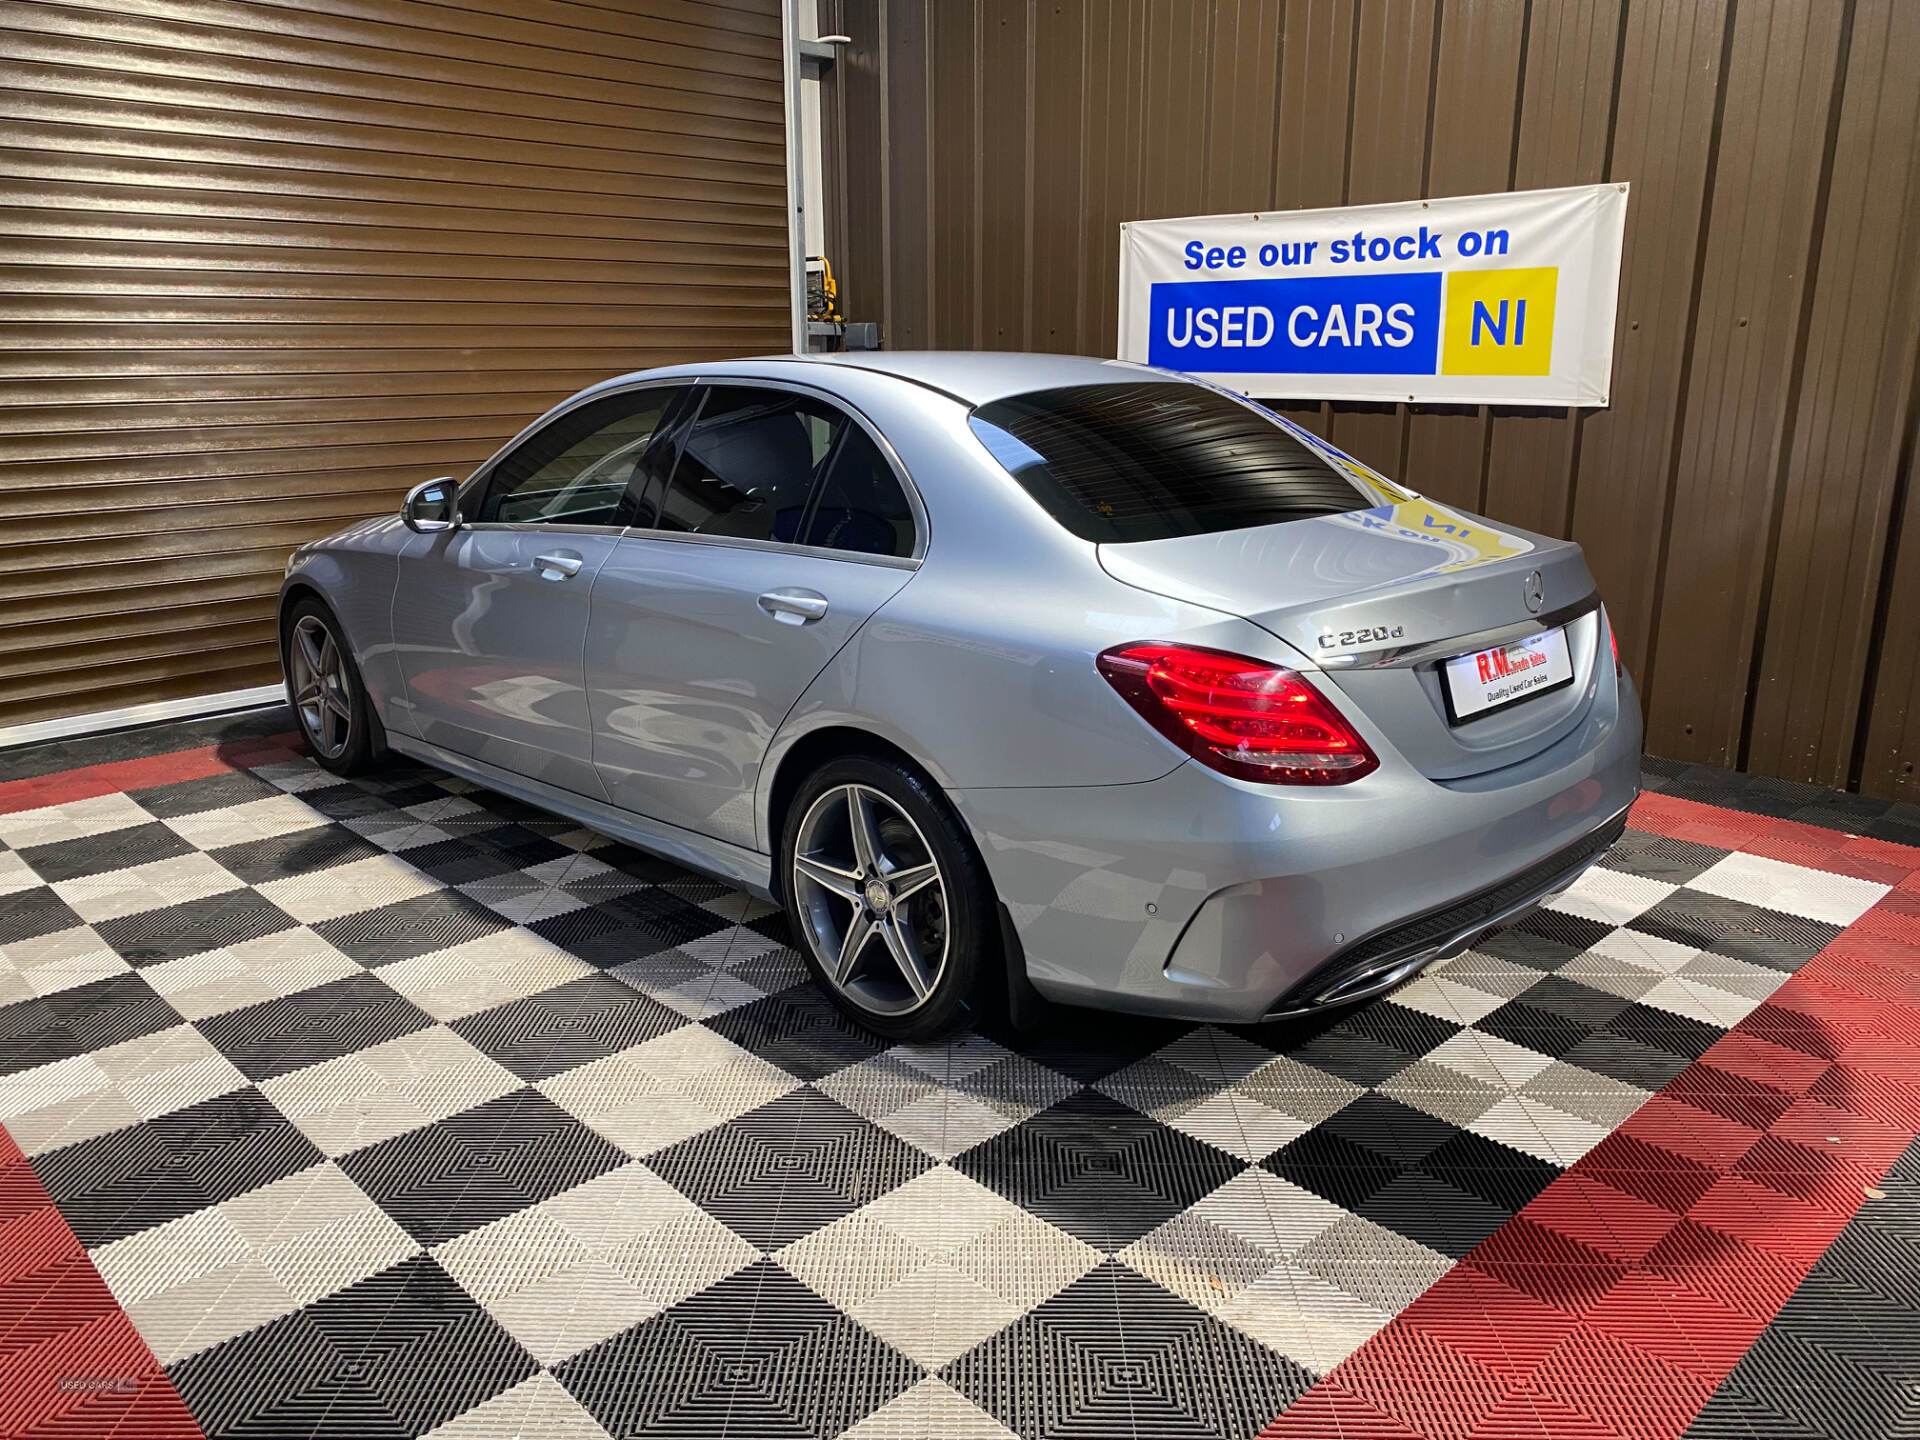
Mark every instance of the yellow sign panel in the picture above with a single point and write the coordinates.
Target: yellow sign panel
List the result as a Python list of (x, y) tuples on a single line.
[(1499, 322)]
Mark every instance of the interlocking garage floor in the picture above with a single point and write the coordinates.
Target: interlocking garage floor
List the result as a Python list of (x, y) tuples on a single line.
[(398, 1107)]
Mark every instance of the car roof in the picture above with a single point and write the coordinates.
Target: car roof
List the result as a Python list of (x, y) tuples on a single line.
[(972, 377), (977, 376)]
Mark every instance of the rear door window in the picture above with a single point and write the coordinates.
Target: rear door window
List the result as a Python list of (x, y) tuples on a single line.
[(748, 463), (1146, 461)]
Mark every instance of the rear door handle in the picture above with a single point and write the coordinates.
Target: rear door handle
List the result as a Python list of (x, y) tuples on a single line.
[(557, 566), (794, 607)]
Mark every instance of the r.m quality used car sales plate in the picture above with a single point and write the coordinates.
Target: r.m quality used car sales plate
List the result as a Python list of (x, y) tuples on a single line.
[(1489, 680)]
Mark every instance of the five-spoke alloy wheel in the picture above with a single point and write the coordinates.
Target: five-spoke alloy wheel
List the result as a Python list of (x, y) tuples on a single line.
[(317, 677), (323, 686), (872, 899), (887, 896)]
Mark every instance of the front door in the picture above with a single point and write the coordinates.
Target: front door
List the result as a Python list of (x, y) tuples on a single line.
[(783, 528), (489, 620)]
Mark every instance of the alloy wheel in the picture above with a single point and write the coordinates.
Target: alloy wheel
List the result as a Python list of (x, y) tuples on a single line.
[(320, 692), (871, 899)]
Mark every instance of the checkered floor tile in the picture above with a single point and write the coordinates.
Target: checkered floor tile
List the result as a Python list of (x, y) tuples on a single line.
[(395, 1107)]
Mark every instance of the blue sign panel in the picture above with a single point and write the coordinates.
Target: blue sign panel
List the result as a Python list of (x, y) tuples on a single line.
[(1317, 325)]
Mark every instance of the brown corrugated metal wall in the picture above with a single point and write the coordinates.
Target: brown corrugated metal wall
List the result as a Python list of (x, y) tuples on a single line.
[(266, 263), (1744, 500)]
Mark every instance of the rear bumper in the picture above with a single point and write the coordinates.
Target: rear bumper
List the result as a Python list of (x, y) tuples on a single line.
[(1380, 962), (1211, 899)]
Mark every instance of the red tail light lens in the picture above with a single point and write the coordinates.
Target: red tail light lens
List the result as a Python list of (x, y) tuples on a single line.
[(1241, 717), (1612, 638)]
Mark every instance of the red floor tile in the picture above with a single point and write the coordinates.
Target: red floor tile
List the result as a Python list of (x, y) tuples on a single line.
[(71, 1362)]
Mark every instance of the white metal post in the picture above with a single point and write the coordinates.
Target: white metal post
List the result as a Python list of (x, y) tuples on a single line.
[(796, 180)]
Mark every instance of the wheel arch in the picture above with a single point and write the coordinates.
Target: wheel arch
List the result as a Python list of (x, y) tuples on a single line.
[(816, 748), (292, 594), (296, 591)]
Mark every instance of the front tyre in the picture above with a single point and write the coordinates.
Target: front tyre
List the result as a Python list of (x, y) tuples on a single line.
[(326, 693), (891, 904)]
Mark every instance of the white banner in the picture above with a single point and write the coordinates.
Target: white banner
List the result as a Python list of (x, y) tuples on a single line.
[(1478, 300)]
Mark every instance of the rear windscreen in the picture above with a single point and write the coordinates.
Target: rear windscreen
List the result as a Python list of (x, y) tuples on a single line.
[(1152, 461)]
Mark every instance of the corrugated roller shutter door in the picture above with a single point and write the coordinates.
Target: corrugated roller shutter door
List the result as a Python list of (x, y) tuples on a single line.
[(265, 265)]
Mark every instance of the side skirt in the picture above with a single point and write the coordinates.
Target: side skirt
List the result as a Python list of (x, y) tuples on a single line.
[(748, 869)]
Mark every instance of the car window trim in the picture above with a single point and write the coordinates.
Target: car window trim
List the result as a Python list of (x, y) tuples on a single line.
[(820, 479), (915, 505), (674, 436), (481, 480), (540, 527), (773, 547)]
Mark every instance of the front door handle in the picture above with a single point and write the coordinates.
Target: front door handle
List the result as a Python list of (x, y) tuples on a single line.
[(557, 566), (794, 607)]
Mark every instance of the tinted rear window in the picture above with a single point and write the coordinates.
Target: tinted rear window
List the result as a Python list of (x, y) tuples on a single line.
[(1147, 462)]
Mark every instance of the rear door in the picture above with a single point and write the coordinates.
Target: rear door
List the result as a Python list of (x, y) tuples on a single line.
[(490, 619), (784, 525)]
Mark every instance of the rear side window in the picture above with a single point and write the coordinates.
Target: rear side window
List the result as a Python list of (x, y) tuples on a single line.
[(1125, 462), (861, 506)]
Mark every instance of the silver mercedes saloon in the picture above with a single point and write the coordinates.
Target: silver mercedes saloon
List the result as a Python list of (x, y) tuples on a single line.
[(1011, 677)]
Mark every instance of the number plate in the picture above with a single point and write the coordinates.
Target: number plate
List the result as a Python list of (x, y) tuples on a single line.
[(1489, 680)]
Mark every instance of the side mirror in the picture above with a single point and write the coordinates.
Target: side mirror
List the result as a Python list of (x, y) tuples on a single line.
[(432, 507)]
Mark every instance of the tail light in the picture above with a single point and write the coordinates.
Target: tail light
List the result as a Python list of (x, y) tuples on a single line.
[(1241, 717), (1612, 638)]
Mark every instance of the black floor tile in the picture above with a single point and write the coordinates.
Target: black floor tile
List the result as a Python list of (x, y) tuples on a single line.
[(299, 852), (1334, 1168), (784, 1170), (392, 1356), (457, 1174), (629, 927), (1658, 857), (572, 1024), (1412, 1032), (125, 1181), (211, 792), (800, 1370), (1498, 1174), (1097, 1169), (1582, 1004), (294, 1031), (1735, 929), (1115, 1355), (1519, 1022), (29, 914), (99, 854), (1398, 1132), (80, 1019), (1619, 1057), (1440, 1216), (459, 862), (415, 926), (153, 937), (799, 1030), (344, 801), (1348, 1052)]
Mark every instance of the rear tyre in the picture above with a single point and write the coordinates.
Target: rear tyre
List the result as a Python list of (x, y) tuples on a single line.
[(324, 688), (890, 903)]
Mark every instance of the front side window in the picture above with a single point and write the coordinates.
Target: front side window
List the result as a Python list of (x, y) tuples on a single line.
[(1144, 461), (576, 470), (748, 464)]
